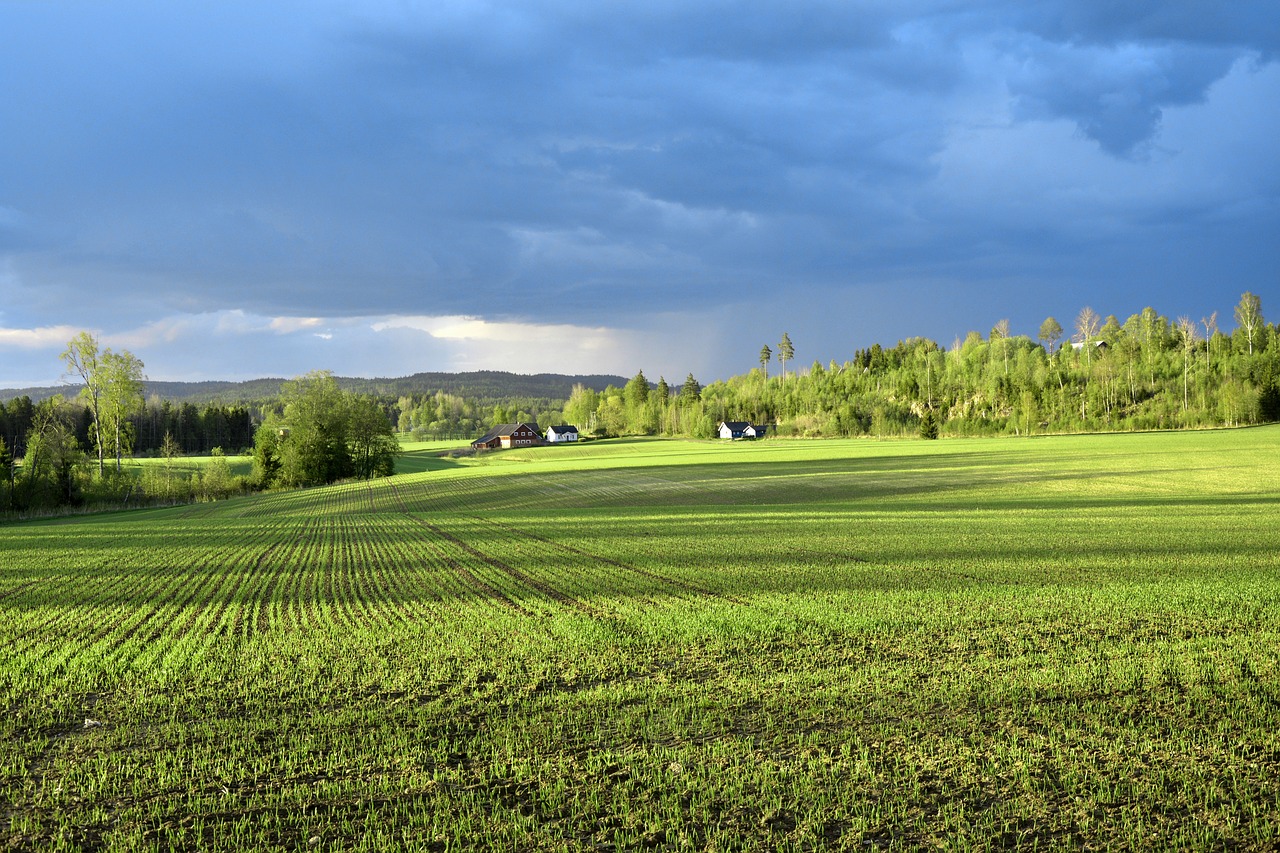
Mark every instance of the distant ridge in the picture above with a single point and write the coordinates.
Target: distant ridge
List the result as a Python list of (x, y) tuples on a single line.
[(476, 384)]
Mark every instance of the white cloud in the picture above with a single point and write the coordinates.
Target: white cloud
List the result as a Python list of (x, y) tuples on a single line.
[(45, 337), (289, 325), (664, 346), (481, 344)]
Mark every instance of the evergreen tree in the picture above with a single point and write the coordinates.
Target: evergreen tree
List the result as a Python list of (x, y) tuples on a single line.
[(636, 391), (785, 352), (691, 390), (6, 475), (928, 424)]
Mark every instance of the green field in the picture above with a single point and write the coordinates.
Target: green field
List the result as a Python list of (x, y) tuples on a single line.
[(183, 466), (1066, 642)]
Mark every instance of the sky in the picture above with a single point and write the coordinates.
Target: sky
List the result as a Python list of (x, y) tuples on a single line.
[(233, 190)]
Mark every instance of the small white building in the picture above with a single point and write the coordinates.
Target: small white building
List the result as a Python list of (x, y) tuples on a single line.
[(741, 429), (561, 434)]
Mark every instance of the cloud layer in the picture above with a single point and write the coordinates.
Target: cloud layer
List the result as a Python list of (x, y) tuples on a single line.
[(578, 172)]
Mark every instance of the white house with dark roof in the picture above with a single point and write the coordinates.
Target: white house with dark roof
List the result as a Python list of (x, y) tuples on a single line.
[(562, 433), (741, 429)]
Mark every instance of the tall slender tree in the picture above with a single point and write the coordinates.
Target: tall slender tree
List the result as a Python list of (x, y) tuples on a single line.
[(1000, 332), (1050, 334), (766, 355), (785, 352), (1210, 324), (1249, 316), (121, 397), (1187, 329), (83, 360), (1087, 323)]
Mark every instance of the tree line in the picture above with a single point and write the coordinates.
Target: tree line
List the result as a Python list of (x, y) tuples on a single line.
[(1148, 372), (54, 453)]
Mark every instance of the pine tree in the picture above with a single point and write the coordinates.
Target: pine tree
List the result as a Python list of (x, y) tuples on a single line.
[(785, 352)]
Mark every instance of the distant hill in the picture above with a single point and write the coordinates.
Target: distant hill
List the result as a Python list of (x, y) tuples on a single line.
[(477, 384)]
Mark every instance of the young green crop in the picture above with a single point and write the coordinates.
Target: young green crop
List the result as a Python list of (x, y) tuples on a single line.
[(1068, 642)]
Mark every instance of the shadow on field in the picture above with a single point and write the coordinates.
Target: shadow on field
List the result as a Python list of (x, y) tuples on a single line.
[(968, 480), (418, 462)]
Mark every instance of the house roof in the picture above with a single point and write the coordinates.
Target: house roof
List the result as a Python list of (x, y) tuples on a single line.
[(562, 428), (736, 426), (505, 429)]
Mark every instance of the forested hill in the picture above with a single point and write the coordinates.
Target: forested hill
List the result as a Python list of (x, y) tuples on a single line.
[(486, 385)]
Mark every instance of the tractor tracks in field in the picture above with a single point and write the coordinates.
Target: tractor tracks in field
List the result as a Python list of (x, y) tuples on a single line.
[(667, 580), (559, 596)]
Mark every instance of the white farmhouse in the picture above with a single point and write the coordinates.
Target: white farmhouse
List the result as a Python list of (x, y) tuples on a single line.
[(562, 433)]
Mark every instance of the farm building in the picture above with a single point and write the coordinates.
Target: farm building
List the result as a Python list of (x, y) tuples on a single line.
[(742, 429), (509, 435), (558, 434)]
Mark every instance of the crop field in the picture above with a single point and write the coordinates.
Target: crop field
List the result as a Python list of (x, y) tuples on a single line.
[(1059, 642)]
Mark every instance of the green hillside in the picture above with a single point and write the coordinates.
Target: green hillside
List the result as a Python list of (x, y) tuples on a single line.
[(653, 644), (484, 385)]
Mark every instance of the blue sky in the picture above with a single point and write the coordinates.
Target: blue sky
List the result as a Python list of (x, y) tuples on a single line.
[(233, 190)]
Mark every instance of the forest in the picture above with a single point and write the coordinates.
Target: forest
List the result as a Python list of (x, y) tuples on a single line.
[(1146, 373)]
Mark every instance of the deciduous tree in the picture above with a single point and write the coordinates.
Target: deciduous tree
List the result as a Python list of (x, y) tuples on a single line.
[(1210, 324), (121, 397), (53, 456), (83, 359), (315, 417), (1000, 335), (1050, 333), (1187, 329), (112, 391), (1249, 316), (372, 442), (1087, 323)]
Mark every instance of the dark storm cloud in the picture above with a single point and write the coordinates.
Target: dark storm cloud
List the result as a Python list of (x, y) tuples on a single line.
[(592, 161)]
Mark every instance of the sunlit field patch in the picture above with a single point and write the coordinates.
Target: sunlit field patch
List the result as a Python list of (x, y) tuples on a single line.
[(1066, 642)]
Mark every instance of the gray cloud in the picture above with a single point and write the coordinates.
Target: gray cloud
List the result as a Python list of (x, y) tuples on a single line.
[(590, 162), (1116, 95)]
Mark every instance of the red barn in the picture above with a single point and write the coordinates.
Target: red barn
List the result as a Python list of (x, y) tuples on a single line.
[(509, 435)]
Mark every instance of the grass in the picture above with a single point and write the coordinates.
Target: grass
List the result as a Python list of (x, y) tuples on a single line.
[(185, 465), (1069, 642)]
